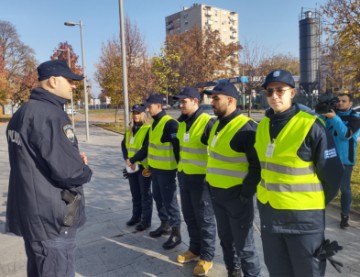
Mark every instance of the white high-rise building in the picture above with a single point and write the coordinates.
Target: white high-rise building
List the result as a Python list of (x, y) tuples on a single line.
[(204, 16)]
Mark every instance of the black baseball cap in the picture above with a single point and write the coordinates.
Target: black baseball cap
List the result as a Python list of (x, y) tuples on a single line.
[(224, 88), (188, 92), (56, 68), (282, 76), (154, 99), (138, 108)]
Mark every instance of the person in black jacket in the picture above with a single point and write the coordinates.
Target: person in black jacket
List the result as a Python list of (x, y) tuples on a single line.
[(193, 133), (233, 172), (45, 198), (134, 148), (163, 155), (300, 174)]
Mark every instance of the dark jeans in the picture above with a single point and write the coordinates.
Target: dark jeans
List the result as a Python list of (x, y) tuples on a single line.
[(140, 188), (290, 255), (51, 258), (198, 214), (164, 193), (345, 188), (234, 218)]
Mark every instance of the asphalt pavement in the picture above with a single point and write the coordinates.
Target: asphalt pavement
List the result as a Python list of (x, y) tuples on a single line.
[(106, 247)]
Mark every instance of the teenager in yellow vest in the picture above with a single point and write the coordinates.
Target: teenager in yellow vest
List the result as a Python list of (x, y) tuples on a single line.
[(134, 148), (196, 206), (162, 159), (300, 174), (233, 171)]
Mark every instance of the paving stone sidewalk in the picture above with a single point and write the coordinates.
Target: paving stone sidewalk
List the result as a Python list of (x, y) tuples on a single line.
[(108, 248)]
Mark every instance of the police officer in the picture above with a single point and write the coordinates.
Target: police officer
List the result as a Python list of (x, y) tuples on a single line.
[(300, 173), (134, 148), (45, 199), (162, 158), (193, 134), (233, 171), (344, 125)]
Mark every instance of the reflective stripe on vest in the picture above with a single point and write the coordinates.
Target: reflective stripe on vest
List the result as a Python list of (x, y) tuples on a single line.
[(134, 144), (160, 155), (193, 153), (226, 168), (287, 182)]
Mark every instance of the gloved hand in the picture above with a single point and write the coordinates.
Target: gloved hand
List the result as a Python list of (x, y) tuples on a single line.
[(336, 264), (328, 249), (125, 174)]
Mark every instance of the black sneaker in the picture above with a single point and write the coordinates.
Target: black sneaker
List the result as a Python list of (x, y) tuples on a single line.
[(133, 221), (344, 223)]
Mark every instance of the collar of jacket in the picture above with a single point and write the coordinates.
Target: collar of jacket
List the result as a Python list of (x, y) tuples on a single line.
[(340, 113), (227, 119), (159, 116), (281, 116), (43, 95), (191, 118)]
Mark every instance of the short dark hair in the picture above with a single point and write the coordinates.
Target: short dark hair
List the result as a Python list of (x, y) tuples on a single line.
[(351, 98)]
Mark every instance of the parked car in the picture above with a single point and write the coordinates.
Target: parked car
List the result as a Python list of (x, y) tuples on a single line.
[(176, 105), (166, 106), (70, 111), (207, 108), (356, 109)]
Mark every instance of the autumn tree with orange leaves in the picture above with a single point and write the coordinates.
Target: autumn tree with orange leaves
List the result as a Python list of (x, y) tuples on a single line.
[(342, 26), (109, 68), (4, 84), (18, 69), (61, 53), (193, 57)]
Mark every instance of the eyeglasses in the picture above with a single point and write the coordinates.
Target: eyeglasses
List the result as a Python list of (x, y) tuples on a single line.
[(279, 91)]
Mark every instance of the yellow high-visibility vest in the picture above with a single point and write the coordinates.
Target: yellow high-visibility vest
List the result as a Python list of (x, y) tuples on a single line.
[(193, 153), (226, 168), (135, 143), (287, 182), (160, 155)]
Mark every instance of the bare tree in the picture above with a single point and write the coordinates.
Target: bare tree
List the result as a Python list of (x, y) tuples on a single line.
[(253, 56)]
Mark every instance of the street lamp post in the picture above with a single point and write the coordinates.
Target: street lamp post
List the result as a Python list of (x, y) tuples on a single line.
[(124, 68), (80, 24), (72, 96)]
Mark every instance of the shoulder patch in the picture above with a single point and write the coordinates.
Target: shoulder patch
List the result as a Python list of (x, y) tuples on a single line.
[(330, 153), (69, 132)]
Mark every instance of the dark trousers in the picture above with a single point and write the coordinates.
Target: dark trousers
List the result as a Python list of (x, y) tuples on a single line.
[(140, 188), (164, 193), (234, 218), (198, 214), (51, 258), (290, 255), (345, 188)]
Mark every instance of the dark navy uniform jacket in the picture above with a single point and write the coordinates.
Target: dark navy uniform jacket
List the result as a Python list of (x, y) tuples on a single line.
[(44, 160), (328, 168)]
